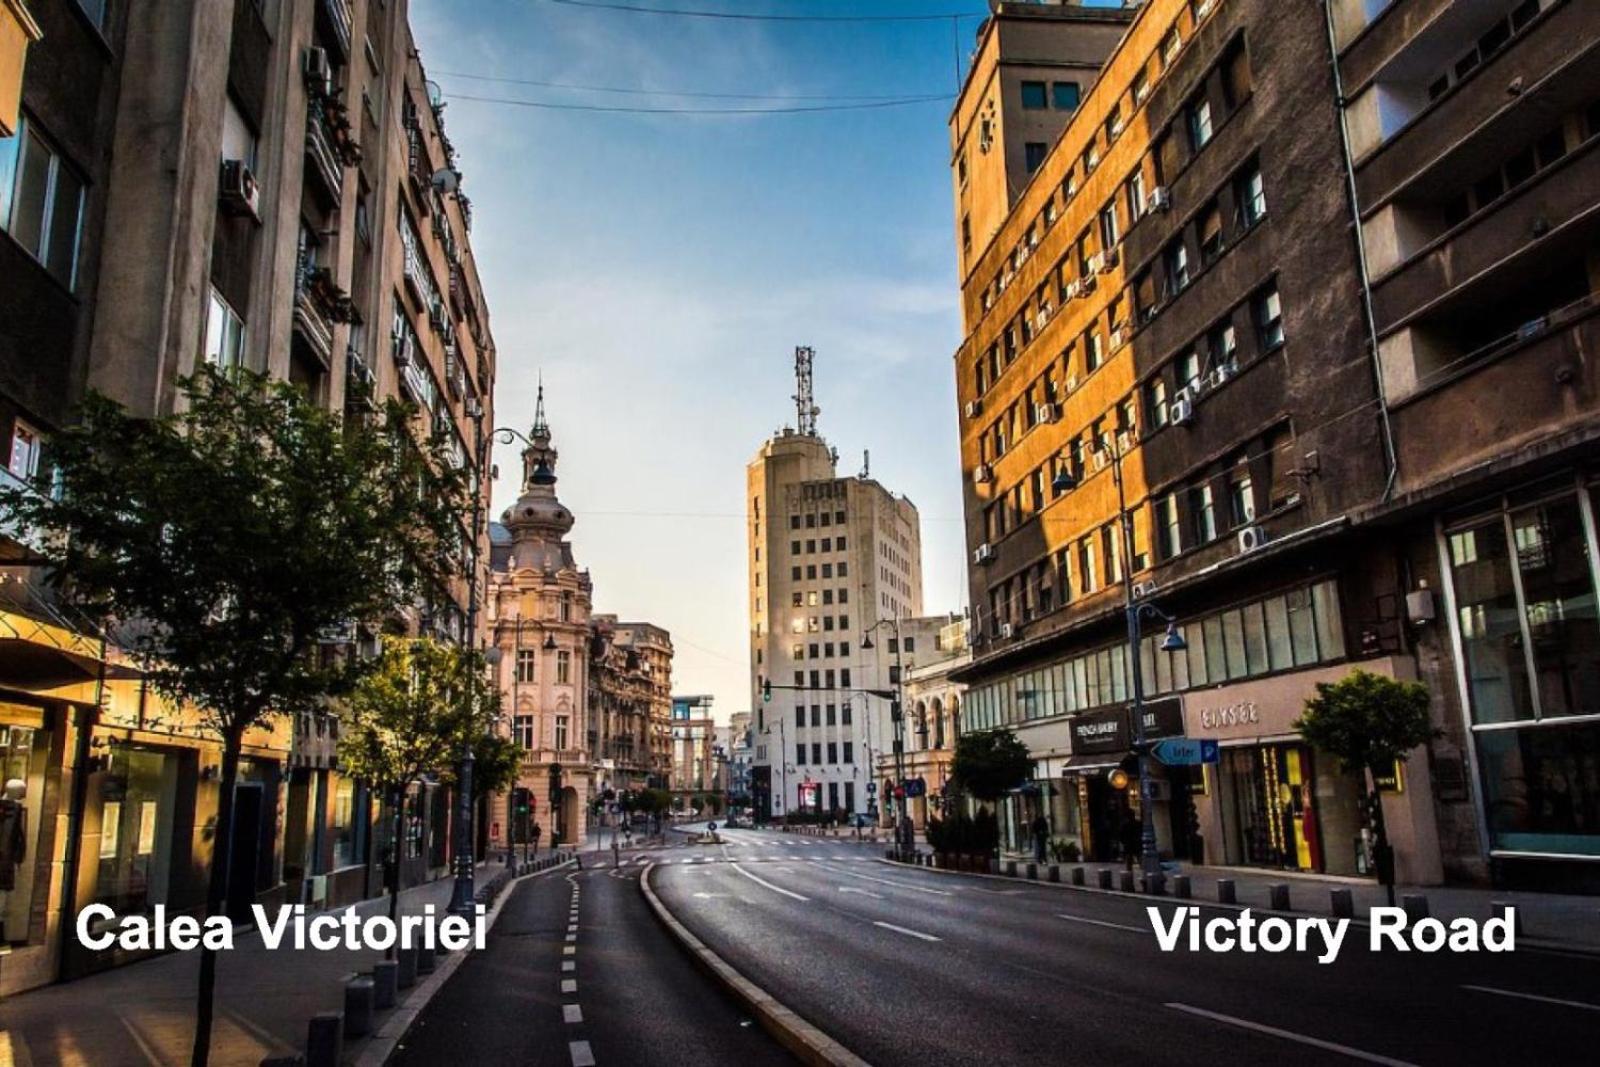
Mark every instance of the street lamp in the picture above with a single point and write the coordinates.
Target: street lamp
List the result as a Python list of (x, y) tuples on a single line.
[(904, 835), (1136, 610)]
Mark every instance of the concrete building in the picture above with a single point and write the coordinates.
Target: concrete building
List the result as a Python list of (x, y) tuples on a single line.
[(695, 772), (741, 756), (931, 649), (831, 560), (630, 664), (264, 169), (538, 608), (1473, 132)]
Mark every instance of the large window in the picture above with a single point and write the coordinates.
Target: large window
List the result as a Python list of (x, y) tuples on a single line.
[(1033, 98), (527, 659), (41, 201), (223, 343)]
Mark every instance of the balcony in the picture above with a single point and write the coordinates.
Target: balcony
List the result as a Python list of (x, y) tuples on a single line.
[(534, 759), (360, 383), (319, 303), (418, 165), (333, 19), (330, 147)]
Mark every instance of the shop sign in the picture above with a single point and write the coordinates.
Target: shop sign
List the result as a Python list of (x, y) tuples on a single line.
[(1394, 781), (1100, 731), (1244, 713), (1163, 718)]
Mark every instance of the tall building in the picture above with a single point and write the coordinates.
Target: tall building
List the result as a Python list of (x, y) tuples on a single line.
[(1473, 133), (630, 668), (653, 646), (830, 560), (694, 739), (283, 196), (538, 610)]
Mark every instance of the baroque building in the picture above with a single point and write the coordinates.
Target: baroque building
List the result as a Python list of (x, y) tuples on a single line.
[(630, 666)]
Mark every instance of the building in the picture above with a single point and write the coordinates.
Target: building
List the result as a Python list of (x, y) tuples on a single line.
[(933, 648), (741, 756), (279, 182), (1472, 134), (1166, 332), (539, 608), (832, 560), (624, 662), (695, 769)]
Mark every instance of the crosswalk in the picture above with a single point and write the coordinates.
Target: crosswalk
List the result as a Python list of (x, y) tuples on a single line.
[(692, 861)]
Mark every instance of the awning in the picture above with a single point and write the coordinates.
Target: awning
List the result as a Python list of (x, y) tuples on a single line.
[(1085, 764)]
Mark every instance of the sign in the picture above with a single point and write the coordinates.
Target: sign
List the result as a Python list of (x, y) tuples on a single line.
[(1163, 718), (1186, 751), (872, 787), (1392, 782), (1100, 731), (916, 787), (1244, 713)]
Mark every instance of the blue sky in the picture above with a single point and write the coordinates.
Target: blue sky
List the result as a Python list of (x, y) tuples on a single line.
[(658, 270)]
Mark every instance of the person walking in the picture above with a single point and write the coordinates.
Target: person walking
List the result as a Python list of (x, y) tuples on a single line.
[(1132, 838), (1041, 837)]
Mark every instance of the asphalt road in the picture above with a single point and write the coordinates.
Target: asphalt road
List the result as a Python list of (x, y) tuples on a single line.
[(915, 967), (625, 993)]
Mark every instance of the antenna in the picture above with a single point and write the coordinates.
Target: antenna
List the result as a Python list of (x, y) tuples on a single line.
[(866, 464), (806, 410)]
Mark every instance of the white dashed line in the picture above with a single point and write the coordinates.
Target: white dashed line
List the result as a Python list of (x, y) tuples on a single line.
[(569, 950), (909, 933), (572, 937), (581, 1054), (767, 884), (571, 1013), (569, 965), (1289, 1035), (569, 985), (1102, 922), (885, 881)]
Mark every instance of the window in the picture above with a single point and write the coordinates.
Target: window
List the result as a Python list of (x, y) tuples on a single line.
[(238, 138), (1269, 319), (1176, 261), (1169, 533), (1086, 572), (1109, 233), (1136, 195), (1033, 96), (1066, 95), (565, 608), (1236, 78), (522, 730), (849, 757), (816, 752), (833, 755), (1200, 126), (1241, 497), (1203, 510), (24, 460), (1222, 345), (222, 344), (1252, 196), (563, 671), (561, 732), (41, 201), (1170, 45), (1209, 228), (526, 658), (1141, 87), (1114, 123), (800, 755), (1188, 368), (1034, 153)]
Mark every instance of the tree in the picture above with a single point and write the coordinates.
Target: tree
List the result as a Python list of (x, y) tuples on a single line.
[(231, 540), (1369, 722), (496, 761), (990, 764), (409, 717)]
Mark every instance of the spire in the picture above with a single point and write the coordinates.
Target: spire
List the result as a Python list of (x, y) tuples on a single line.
[(539, 458), (540, 427)]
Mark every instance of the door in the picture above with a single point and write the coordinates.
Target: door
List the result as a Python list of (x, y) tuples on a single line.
[(244, 864)]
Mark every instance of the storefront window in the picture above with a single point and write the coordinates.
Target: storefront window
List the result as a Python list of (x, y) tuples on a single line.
[(137, 796), (22, 778), (1542, 788), (349, 824), (1558, 589), (1486, 616)]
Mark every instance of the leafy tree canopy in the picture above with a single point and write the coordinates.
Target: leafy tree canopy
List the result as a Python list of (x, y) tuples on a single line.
[(1367, 720), (990, 764)]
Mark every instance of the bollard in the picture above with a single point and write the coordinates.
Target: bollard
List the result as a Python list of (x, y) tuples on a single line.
[(407, 958), (426, 960), (1499, 909), (1278, 896), (1416, 906), (325, 1040), (994, 865), (1181, 888), (1033, 872), (1011, 868), (358, 1007), (1053, 872), (385, 983), (1342, 903), (1227, 892), (291, 1059), (1104, 876), (1125, 881), (1079, 876)]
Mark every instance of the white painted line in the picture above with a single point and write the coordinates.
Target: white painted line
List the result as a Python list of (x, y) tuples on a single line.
[(571, 1013), (863, 892), (910, 933), (581, 1056), (1102, 922), (769, 885), (572, 928), (1582, 1005), (569, 965), (572, 937), (569, 985), (885, 881), (1289, 1035), (569, 950)]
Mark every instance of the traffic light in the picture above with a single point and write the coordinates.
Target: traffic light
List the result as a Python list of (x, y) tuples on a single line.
[(766, 691)]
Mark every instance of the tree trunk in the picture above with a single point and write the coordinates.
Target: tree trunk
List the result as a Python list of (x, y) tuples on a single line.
[(216, 892), (399, 855)]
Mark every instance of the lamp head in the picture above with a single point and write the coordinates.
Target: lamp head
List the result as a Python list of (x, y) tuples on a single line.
[(1174, 641), (1064, 481), (866, 643)]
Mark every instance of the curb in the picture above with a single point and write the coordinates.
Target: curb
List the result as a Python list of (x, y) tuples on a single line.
[(808, 1043), (381, 1045), (1532, 944)]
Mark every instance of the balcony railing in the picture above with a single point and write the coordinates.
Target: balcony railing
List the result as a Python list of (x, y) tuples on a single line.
[(330, 146), (335, 15), (534, 758), (319, 303)]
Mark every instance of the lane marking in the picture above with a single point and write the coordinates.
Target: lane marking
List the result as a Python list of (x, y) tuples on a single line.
[(863, 892), (569, 965), (1290, 1035), (581, 1055), (910, 933), (571, 1013), (885, 881), (569, 985), (572, 937), (1102, 922), (569, 950), (769, 885), (1582, 1005)]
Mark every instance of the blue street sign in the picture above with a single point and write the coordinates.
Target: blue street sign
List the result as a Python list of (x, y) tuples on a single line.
[(916, 787), (1185, 751)]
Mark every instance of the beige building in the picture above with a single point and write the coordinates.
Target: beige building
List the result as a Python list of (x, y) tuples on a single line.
[(695, 769), (538, 614), (831, 559), (630, 703), (931, 648), (653, 645)]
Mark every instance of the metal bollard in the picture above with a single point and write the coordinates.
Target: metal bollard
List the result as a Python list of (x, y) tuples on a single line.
[(1416, 906), (1181, 888), (325, 1040), (1079, 876), (1227, 892), (1053, 872), (407, 959), (1278, 896), (358, 1007), (1033, 872), (426, 960), (1011, 868), (385, 984), (1104, 877), (1125, 881), (1342, 903)]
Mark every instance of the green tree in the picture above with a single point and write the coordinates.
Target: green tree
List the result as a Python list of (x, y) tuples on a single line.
[(231, 540), (1369, 722), (410, 717), (990, 764)]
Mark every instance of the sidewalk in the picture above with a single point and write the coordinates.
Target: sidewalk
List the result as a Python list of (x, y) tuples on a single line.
[(143, 1013)]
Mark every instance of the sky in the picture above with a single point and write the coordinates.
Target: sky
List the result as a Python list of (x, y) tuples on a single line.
[(658, 271)]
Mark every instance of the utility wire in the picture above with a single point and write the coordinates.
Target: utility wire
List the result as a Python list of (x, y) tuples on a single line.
[(747, 16), (677, 92), (626, 110)]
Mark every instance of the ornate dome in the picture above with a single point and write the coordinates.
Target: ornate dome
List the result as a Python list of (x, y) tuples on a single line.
[(538, 518)]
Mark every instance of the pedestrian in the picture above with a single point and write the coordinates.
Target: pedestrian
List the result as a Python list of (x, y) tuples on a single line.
[(537, 830), (1132, 837), (1041, 836)]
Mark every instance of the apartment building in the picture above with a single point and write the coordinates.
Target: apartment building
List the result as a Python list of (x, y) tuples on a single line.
[(630, 667), (923, 654), (653, 645), (1473, 132), (242, 183), (697, 773), (832, 560), (1167, 399)]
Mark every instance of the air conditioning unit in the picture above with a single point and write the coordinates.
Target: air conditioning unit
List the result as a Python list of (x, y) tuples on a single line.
[(318, 71), (983, 554), (1118, 336), (1073, 290), (1221, 373), (1109, 260), (239, 192), (1100, 459), (1086, 285), (1144, 590), (973, 409), (1007, 631), (1045, 311), (1044, 413), (436, 317), (1181, 411), (1096, 264), (1251, 538), (1125, 442), (1072, 384), (1160, 199), (981, 474)]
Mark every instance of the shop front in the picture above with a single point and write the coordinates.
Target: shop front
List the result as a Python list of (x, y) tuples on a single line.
[(1274, 801)]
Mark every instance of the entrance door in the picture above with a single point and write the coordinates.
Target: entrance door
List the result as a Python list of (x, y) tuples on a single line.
[(244, 863), (1185, 822)]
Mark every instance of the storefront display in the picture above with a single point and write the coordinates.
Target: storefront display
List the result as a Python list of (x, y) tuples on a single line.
[(137, 795)]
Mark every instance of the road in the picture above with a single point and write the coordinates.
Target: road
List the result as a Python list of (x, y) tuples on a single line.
[(905, 966)]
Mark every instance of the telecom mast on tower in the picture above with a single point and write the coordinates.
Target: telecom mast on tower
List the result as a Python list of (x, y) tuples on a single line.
[(806, 410)]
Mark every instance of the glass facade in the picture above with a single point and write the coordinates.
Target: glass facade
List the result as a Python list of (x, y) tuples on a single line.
[(1523, 581), (22, 761), (138, 798), (1297, 628)]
